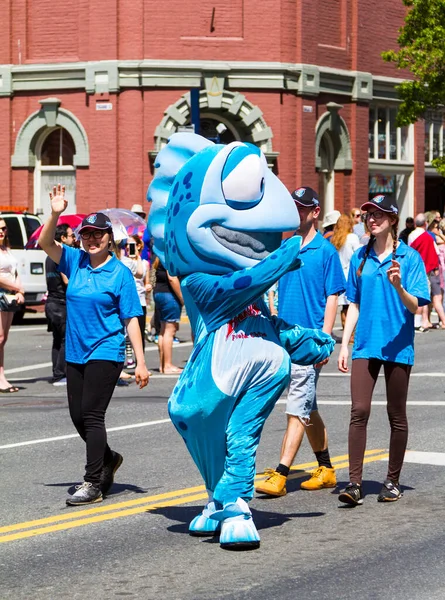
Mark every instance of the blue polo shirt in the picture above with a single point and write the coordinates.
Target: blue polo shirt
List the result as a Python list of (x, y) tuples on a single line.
[(385, 327), (98, 301), (302, 293)]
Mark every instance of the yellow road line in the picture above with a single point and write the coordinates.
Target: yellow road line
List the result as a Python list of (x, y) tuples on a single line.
[(342, 465), (333, 460), (140, 505), (98, 518), (145, 500), (101, 509)]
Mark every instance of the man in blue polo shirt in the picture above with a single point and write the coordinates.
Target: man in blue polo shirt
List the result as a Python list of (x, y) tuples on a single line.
[(308, 297)]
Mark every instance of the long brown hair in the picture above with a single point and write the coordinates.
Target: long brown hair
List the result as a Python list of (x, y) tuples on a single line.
[(395, 240), (342, 229), (6, 242)]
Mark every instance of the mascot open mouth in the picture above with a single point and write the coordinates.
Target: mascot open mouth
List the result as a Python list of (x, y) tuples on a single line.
[(251, 244)]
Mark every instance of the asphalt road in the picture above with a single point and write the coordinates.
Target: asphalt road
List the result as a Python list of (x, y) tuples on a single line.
[(135, 544)]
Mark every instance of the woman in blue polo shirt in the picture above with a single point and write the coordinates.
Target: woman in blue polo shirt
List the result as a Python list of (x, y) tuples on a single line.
[(101, 301), (387, 283)]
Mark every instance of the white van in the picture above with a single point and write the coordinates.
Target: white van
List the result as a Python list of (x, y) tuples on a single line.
[(31, 262)]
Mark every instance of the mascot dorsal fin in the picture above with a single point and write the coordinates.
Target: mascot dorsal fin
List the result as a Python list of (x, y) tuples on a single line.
[(180, 148)]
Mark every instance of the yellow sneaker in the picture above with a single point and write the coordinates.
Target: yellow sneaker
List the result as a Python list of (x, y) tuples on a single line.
[(275, 484), (322, 477)]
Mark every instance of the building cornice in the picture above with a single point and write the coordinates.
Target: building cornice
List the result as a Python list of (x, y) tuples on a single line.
[(115, 76)]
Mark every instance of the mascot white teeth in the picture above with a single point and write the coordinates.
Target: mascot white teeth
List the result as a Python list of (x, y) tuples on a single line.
[(216, 218)]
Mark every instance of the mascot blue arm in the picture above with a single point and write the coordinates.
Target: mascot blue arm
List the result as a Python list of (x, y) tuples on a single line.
[(219, 299), (216, 219)]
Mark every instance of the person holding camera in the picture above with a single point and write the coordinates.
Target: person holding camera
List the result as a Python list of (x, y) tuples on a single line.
[(14, 295), (101, 302), (140, 270)]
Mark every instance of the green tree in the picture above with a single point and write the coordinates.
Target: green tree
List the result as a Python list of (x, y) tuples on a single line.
[(422, 52)]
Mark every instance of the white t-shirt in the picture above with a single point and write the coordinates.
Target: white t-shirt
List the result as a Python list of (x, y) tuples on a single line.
[(139, 281), (8, 265), (352, 243)]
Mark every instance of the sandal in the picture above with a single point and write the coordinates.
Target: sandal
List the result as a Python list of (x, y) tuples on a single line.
[(9, 390)]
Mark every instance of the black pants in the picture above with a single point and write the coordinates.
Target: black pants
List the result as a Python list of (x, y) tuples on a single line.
[(90, 387), (56, 315)]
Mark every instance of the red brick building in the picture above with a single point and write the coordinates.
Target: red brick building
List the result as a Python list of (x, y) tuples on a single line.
[(90, 92)]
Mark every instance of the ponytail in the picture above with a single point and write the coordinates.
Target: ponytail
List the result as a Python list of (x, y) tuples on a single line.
[(367, 251), (395, 238)]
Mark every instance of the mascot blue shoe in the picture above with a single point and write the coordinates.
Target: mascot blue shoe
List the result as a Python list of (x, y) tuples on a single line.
[(216, 220), (204, 525), (238, 531)]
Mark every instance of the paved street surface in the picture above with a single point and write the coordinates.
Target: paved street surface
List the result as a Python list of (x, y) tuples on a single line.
[(135, 544)]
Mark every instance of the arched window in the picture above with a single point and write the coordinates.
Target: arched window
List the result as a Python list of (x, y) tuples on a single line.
[(55, 158), (58, 149)]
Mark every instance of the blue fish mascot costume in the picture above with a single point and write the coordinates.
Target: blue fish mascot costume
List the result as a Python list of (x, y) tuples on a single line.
[(216, 218)]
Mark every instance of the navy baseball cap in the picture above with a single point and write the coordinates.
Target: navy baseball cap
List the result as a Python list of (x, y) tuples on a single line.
[(96, 221), (382, 202), (306, 196)]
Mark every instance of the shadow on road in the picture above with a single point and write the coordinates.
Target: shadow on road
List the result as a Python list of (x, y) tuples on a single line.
[(263, 519), (116, 490)]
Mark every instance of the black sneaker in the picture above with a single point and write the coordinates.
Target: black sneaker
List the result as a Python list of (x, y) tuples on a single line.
[(108, 471), (390, 492), (87, 493), (352, 494)]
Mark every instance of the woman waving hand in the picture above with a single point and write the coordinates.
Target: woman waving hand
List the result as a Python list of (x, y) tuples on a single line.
[(101, 301)]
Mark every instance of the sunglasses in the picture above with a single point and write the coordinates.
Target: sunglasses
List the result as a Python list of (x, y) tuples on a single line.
[(3, 229), (96, 234), (377, 214), (357, 215)]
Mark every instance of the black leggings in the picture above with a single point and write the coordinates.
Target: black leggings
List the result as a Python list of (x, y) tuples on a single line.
[(363, 379), (90, 387)]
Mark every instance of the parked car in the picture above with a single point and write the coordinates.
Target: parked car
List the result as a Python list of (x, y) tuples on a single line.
[(31, 262)]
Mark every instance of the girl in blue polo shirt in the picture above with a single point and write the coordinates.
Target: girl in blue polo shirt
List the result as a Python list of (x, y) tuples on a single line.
[(101, 301), (387, 283)]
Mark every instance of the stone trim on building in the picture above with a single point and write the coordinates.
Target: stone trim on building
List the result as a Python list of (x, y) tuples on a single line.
[(232, 105), (333, 125), (50, 115), (113, 76)]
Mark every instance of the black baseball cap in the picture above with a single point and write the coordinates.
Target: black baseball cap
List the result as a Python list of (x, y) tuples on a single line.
[(95, 221), (382, 202), (306, 196)]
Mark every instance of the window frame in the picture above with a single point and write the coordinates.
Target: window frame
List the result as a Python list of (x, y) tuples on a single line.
[(430, 123), (373, 110)]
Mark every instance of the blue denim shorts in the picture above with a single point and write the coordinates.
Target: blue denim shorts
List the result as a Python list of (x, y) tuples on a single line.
[(302, 395), (169, 307)]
